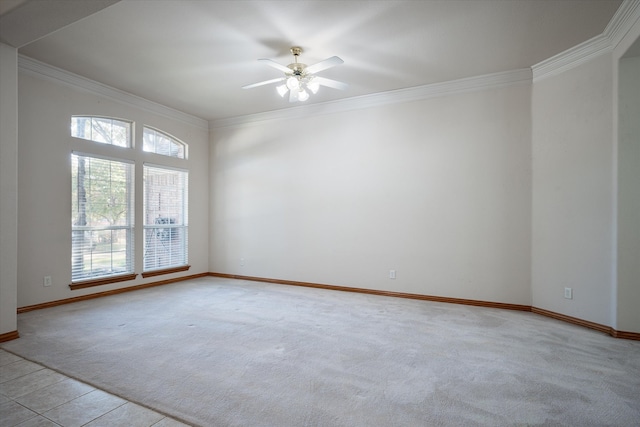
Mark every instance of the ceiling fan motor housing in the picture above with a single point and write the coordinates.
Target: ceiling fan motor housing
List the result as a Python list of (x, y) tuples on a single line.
[(297, 68)]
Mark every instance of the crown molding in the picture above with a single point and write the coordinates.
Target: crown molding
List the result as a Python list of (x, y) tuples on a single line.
[(38, 69), (624, 18), (418, 93), (571, 58), (41, 70)]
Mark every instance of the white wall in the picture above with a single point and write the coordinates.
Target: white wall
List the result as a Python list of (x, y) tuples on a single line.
[(627, 70), (44, 230), (629, 195), (8, 187), (573, 214), (439, 190)]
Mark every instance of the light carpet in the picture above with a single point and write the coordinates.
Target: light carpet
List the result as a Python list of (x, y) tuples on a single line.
[(217, 352)]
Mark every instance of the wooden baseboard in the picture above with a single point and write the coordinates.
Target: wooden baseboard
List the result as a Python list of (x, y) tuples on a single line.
[(574, 320), (625, 335), (107, 293), (587, 324), (478, 303), (490, 304), (8, 336)]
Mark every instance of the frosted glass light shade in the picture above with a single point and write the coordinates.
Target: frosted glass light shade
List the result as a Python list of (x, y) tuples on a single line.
[(313, 86), (282, 90), (293, 83), (303, 95)]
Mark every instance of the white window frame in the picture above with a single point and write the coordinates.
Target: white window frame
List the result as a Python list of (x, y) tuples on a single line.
[(166, 232), (106, 136), (85, 247), (152, 146), (114, 134)]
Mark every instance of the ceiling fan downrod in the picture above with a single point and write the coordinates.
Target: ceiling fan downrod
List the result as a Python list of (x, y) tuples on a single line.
[(297, 68)]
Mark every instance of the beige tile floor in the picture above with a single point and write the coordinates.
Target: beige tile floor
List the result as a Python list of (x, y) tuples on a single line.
[(34, 396)]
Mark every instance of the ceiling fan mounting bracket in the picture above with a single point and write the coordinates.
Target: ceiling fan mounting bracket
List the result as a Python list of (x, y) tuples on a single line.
[(296, 50)]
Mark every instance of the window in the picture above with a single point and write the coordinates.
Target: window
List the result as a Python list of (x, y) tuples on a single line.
[(103, 204), (165, 218), (158, 142), (102, 129), (102, 218)]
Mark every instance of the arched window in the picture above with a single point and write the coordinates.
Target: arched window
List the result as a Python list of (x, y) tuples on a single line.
[(105, 130), (158, 142), (104, 204)]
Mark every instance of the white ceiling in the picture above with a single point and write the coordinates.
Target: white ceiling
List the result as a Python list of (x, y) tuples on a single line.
[(194, 55)]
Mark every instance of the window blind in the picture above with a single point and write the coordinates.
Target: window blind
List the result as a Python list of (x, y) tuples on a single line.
[(102, 217), (165, 217)]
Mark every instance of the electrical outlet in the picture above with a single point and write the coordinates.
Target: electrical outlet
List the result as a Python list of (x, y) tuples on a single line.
[(568, 293), (392, 274), (241, 262), (46, 281)]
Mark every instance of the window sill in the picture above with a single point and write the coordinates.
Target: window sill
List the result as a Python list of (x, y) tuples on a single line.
[(166, 271), (103, 281)]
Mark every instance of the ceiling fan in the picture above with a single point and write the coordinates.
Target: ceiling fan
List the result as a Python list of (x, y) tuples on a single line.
[(299, 77)]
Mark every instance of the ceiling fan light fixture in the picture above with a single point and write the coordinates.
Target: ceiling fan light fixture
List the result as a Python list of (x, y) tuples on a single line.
[(293, 95), (303, 95), (293, 83), (282, 90), (299, 79), (313, 86)]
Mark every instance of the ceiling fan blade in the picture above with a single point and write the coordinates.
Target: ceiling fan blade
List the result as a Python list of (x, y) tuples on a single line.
[(275, 65), (323, 65), (322, 81), (266, 82)]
